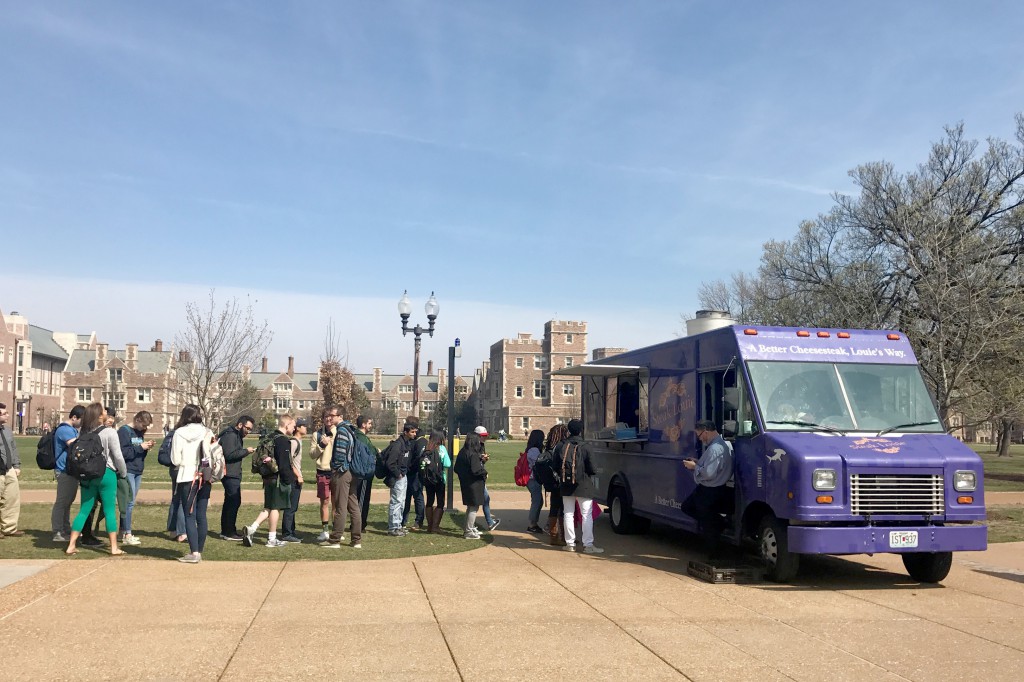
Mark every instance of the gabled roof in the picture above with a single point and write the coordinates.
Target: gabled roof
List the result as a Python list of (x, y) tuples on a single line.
[(43, 343), (149, 361)]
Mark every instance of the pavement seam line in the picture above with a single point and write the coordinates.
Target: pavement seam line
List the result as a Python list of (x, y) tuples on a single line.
[(440, 629), (252, 620), (603, 615), (21, 608)]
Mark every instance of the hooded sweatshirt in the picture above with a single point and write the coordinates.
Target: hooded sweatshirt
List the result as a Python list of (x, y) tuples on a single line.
[(184, 449)]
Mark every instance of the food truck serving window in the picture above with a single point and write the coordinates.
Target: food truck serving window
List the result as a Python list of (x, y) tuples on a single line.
[(615, 400)]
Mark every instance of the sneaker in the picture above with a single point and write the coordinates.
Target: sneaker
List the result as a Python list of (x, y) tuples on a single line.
[(291, 538), (231, 538), (493, 524), (397, 532), (246, 537), (58, 537), (131, 540), (534, 529), (323, 537), (471, 535), (357, 546), (191, 558), (593, 549), (276, 543), (570, 548), (89, 542), (330, 545)]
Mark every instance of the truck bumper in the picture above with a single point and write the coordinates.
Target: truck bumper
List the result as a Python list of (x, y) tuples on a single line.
[(876, 539)]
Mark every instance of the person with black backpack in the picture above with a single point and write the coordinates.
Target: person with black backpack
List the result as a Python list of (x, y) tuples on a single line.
[(544, 471), (67, 486), (572, 461), (434, 465), (95, 459)]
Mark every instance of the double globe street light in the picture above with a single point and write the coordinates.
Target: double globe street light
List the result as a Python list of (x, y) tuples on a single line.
[(405, 310)]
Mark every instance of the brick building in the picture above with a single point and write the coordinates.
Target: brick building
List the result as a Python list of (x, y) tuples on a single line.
[(129, 380), (288, 391), (514, 389), (8, 366)]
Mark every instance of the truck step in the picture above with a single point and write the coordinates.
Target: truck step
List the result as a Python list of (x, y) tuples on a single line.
[(724, 574)]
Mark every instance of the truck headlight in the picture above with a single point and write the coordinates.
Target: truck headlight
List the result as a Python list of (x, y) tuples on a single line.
[(965, 480), (825, 479)]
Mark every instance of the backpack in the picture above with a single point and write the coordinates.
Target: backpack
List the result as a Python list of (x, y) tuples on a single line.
[(432, 468), (545, 473), (570, 462), (164, 454), (522, 470), (215, 466), (391, 452), (364, 459), (344, 444), (264, 449), (86, 459), (46, 451)]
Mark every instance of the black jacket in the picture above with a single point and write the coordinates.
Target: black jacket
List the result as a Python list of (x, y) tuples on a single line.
[(397, 460), (232, 442), (283, 455), (583, 465), (472, 476)]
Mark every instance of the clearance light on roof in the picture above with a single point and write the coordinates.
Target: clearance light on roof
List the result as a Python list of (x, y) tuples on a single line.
[(803, 334), (750, 332), (893, 337), (823, 335), (843, 335)]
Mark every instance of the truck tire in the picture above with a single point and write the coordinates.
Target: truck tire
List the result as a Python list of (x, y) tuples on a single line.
[(781, 565), (928, 567), (624, 521)]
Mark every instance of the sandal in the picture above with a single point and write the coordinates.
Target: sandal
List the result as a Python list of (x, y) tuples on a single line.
[(119, 552), (182, 538), (71, 552)]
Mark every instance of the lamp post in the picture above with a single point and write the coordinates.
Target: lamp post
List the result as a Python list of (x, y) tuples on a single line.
[(404, 310), (453, 352)]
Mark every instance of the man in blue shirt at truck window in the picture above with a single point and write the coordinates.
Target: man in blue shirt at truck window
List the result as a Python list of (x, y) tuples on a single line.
[(712, 473)]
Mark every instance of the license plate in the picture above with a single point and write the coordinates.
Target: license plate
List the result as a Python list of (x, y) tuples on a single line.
[(903, 538)]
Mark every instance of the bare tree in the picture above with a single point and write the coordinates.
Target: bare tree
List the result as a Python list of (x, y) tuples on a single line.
[(337, 384), (219, 341)]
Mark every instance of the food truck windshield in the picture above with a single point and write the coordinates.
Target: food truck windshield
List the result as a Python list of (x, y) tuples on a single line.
[(840, 397)]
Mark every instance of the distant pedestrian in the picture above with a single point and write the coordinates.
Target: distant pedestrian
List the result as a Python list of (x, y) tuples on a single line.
[(434, 465), (277, 488), (572, 460), (105, 487), (134, 448), (469, 467), (192, 444), (534, 444), (288, 531), (67, 486)]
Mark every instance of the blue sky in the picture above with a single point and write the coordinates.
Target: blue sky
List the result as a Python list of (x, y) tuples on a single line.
[(525, 160)]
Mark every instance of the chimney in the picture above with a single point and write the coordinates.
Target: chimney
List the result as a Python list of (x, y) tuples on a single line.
[(158, 346), (378, 375), (264, 370), (131, 355), (183, 356), (442, 380), (101, 354), (430, 368), (291, 365)]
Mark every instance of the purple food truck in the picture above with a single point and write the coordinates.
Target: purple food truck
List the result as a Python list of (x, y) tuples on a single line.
[(837, 444)]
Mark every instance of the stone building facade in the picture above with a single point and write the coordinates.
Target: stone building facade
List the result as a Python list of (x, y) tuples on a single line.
[(393, 392), (515, 391), (287, 392), (8, 367)]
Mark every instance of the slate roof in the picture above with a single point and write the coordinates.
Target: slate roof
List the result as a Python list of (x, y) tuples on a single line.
[(150, 361), (43, 343)]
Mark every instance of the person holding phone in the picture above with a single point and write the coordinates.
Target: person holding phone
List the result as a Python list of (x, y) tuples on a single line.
[(712, 472), (134, 448)]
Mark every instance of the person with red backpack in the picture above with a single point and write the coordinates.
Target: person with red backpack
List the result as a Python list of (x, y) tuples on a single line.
[(572, 461)]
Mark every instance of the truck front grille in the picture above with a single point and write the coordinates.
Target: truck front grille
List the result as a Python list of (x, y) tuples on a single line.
[(897, 494)]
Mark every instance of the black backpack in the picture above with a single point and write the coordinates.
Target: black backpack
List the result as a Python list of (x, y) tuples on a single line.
[(163, 456), (86, 459), (431, 469), (46, 452), (545, 473), (392, 451)]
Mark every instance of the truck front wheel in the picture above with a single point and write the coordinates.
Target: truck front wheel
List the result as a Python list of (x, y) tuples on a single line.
[(624, 521), (781, 565), (928, 567)]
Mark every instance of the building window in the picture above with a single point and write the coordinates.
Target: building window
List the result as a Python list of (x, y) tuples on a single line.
[(407, 405), (519, 362), (265, 404), (540, 389), (461, 389), (115, 400), (301, 405), (3, 351), (568, 361), (428, 407), (568, 389), (540, 362), (18, 384), (227, 386), (84, 395), (282, 388), (116, 374), (145, 395), (404, 388), (526, 423), (568, 338), (519, 391)]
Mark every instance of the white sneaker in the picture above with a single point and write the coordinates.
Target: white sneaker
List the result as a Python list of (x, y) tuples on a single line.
[(570, 548), (323, 537), (593, 549), (192, 558), (131, 540), (276, 543), (330, 545), (357, 546)]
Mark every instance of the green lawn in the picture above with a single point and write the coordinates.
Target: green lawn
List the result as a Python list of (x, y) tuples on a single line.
[(1005, 524), (149, 521)]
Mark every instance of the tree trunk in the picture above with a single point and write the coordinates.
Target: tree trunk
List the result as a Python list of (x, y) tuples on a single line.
[(1005, 433)]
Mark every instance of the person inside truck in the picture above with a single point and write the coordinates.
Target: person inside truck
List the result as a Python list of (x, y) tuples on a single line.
[(712, 497)]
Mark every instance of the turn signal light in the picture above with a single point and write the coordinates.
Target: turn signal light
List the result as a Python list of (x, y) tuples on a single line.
[(965, 499), (843, 335), (824, 499), (823, 335), (893, 337), (803, 334), (750, 332)]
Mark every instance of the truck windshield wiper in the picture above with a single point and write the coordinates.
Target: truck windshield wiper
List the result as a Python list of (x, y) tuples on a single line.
[(906, 426), (812, 425)]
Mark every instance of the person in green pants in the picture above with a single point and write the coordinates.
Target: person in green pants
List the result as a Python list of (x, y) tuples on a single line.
[(105, 487)]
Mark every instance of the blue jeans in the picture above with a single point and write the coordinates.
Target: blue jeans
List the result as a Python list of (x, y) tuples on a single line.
[(487, 507), (536, 500), (195, 499), (397, 503), (134, 483), (175, 513)]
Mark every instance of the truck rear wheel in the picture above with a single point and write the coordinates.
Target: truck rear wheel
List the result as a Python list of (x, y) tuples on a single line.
[(928, 567), (624, 521), (781, 565)]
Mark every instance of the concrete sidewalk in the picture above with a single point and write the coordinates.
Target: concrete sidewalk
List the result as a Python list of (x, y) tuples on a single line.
[(517, 609)]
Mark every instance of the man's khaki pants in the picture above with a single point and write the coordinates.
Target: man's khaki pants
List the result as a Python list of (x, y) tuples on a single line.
[(10, 502)]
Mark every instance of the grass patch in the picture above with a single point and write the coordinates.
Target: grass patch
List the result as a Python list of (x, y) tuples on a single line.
[(150, 520), (1005, 524)]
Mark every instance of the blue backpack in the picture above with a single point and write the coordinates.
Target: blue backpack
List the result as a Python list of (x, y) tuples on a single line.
[(344, 442), (364, 459)]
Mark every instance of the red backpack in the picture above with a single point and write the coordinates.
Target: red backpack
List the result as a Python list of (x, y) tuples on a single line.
[(522, 473)]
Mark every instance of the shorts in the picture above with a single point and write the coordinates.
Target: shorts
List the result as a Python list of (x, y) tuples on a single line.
[(277, 495), (323, 484)]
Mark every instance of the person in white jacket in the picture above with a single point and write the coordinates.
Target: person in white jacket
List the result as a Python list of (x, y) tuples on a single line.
[(104, 487), (191, 444)]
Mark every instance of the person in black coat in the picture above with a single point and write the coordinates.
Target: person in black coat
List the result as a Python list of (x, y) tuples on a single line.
[(232, 441), (469, 467)]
